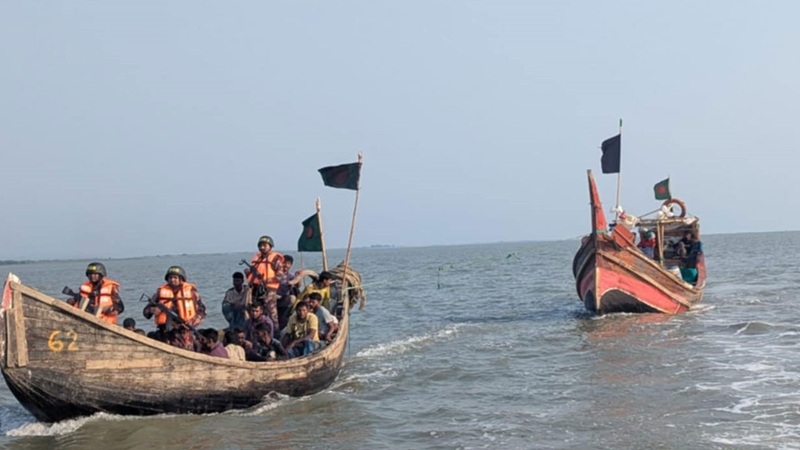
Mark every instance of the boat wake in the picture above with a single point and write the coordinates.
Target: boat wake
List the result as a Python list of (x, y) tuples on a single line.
[(63, 427), (371, 365), (271, 401), (413, 343)]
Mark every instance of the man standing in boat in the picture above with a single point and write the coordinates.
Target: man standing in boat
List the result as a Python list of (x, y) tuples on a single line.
[(234, 304), (693, 248), (179, 296), (264, 279), (100, 295)]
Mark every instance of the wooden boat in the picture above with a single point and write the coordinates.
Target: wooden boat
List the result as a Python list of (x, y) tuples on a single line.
[(61, 362), (613, 275)]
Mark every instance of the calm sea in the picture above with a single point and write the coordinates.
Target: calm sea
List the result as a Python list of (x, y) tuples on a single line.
[(487, 346)]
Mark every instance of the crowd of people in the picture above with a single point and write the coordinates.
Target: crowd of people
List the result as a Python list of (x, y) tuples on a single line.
[(269, 316)]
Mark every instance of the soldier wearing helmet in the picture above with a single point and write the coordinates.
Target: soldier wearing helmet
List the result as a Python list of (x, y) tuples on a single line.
[(100, 295), (180, 296), (264, 280)]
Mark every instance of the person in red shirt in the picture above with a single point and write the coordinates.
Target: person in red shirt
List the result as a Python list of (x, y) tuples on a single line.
[(647, 244)]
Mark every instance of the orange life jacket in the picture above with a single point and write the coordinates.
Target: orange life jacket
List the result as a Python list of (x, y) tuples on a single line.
[(264, 266), (102, 301), (185, 302)]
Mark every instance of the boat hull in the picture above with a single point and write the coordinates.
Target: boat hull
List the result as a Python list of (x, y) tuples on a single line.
[(612, 279), (60, 363)]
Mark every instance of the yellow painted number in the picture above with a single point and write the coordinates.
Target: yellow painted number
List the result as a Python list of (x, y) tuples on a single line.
[(57, 338)]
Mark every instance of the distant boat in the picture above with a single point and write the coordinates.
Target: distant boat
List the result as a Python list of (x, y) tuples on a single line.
[(61, 362), (613, 275)]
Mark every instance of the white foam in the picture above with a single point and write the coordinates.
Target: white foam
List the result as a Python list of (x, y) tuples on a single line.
[(403, 345), (699, 308), (65, 426), (269, 402)]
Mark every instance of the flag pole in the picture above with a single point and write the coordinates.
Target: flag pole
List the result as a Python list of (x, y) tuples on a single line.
[(619, 173), (322, 236), (346, 305)]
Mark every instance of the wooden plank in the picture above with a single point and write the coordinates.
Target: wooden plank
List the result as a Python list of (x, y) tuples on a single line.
[(18, 322), (105, 364), (11, 339)]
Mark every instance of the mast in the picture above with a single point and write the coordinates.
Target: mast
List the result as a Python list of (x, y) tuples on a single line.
[(619, 173)]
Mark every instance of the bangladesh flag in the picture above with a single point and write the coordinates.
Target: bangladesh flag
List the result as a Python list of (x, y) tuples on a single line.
[(345, 176), (311, 239), (661, 190)]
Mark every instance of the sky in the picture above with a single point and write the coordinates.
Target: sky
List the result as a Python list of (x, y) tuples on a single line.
[(149, 128)]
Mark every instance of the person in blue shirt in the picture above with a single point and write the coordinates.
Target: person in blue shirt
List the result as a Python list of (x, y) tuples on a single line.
[(693, 249)]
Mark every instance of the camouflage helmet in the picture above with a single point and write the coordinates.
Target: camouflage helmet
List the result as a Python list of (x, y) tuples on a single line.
[(266, 240), (175, 270), (96, 267)]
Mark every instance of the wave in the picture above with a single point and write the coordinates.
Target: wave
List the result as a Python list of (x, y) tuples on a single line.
[(65, 426), (408, 344)]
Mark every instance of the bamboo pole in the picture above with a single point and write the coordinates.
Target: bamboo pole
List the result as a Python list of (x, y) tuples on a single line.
[(322, 236), (346, 306), (619, 173)]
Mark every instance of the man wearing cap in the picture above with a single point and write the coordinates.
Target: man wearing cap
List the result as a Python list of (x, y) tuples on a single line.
[(235, 302)]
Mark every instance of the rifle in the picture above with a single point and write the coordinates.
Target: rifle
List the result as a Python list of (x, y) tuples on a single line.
[(77, 298), (171, 315), (256, 273)]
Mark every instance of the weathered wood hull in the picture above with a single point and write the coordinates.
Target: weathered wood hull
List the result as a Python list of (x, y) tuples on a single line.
[(60, 362), (612, 275)]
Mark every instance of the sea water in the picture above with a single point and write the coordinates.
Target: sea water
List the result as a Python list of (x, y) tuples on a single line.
[(488, 346)]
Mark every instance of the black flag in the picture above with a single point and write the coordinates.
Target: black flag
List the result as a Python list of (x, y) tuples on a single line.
[(611, 154)]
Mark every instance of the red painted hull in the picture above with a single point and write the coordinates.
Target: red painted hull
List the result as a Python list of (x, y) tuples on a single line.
[(612, 275)]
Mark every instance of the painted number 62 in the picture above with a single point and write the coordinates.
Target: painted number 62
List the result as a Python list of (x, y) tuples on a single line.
[(57, 338)]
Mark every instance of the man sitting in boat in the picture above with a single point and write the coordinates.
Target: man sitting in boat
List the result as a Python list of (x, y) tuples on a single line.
[(647, 243), (264, 280), (210, 345), (692, 251), (264, 347), (328, 323), (321, 285), (301, 337), (179, 296), (100, 295), (233, 345), (257, 317)]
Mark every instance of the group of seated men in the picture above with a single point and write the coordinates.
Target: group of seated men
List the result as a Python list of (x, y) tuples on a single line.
[(266, 320)]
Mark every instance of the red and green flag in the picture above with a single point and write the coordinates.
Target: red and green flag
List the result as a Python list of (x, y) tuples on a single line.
[(344, 176), (661, 189), (311, 239)]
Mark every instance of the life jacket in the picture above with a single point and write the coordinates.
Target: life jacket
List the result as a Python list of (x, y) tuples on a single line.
[(102, 301), (264, 266), (186, 307)]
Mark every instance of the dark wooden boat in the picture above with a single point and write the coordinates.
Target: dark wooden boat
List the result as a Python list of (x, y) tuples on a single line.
[(613, 275), (61, 362)]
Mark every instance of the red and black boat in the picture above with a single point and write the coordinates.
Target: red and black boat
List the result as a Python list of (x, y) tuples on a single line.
[(613, 275)]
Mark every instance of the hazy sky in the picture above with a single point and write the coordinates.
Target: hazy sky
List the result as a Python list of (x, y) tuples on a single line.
[(141, 128)]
